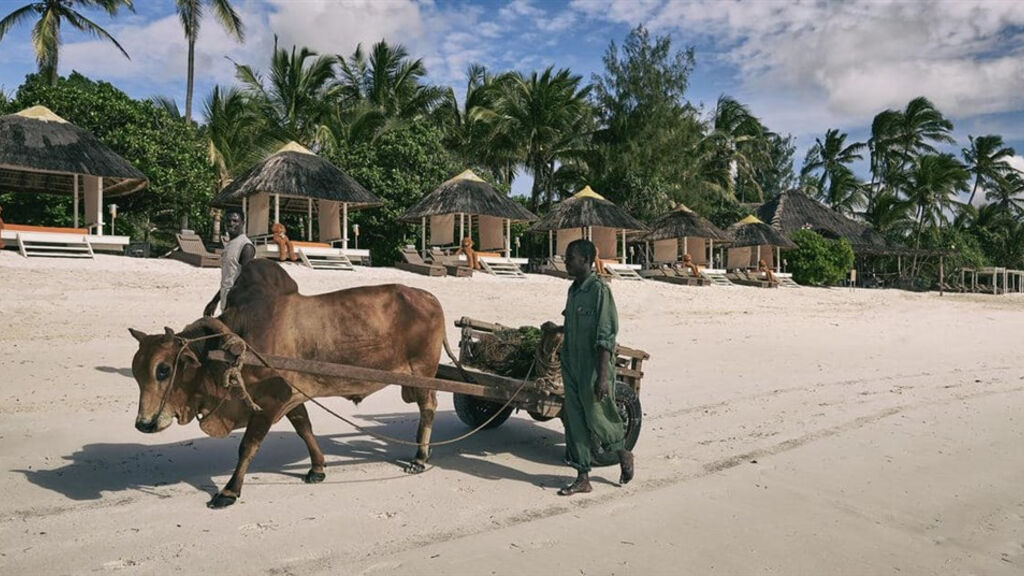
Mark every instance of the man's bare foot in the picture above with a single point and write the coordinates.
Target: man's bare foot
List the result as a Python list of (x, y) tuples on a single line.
[(626, 463), (579, 486)]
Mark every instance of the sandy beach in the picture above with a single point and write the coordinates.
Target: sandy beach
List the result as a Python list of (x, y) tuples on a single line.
[(789, 431)]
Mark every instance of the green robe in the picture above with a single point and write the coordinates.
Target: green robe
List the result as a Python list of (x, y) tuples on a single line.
[(591, 323)]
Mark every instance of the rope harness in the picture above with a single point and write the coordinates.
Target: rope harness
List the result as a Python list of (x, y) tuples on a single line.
[(236, 347)]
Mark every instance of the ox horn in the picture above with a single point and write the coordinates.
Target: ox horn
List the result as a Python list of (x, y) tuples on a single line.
[(137, 334), (168, 334)]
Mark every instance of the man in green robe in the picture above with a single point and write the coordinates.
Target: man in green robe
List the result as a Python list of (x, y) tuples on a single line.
[(591, 419)]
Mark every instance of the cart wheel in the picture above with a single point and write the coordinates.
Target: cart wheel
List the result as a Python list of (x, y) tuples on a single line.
[(473, 411), (539, 417), (628, 404)]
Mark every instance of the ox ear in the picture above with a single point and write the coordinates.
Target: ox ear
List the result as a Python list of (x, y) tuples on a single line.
[(168, 334), (137, 334)]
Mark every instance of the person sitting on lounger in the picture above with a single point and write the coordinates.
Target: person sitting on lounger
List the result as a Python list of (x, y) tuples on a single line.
[(689, 264), (598, 263), (762, 266), (467, 248), (284, 245)]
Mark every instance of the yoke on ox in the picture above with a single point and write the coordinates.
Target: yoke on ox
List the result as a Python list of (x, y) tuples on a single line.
[(391, 327)]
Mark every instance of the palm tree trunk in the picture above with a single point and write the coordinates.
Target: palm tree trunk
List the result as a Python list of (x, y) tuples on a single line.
[(191, 79), (977, 180), (56, 55)]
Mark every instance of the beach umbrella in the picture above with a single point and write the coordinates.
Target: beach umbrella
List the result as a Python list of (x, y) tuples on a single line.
[(294, 177), (41, 153), (587, 210), (467, 195), (684, 223)]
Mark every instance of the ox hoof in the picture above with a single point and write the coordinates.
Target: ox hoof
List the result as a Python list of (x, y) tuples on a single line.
[(221, 501), (415, 468), (312, 477)]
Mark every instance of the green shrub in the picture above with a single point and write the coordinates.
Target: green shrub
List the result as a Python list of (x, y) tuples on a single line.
[(819, 261)]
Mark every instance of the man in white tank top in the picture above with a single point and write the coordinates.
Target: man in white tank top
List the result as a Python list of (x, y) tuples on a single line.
[(237, 252)]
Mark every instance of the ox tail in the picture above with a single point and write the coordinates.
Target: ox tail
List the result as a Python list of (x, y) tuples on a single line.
[(454, 358)]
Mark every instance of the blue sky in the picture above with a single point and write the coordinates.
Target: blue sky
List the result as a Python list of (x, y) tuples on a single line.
[(802, 67)]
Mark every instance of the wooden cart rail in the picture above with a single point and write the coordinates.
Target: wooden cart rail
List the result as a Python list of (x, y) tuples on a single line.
[(484, 385)]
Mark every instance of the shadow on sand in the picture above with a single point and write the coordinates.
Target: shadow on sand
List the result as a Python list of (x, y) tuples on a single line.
[(119, 467)]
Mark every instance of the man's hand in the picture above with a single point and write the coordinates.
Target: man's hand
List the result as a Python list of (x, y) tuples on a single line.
[(601, 387)]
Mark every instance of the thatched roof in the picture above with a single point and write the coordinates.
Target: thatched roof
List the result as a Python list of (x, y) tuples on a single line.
[(41, 152), (793, 210), (296, 174), (587, 208), (467, 193), (752, 232), (682, 222)]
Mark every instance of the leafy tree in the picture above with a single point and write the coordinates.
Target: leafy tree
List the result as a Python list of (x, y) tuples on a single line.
[(400, 167), (819, 261), (236, 132), (987, 160), (191, 14), (775, 175), (1008, 194), (52, 14), (733, 148), (171, 153)]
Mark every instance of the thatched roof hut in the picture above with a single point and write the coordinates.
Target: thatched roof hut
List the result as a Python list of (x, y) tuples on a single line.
[(685, 230), (293, 177), (295, 174), (682, 222), (587, 208), (794, 210), (41, 153), (463, 197), (752, 241), (588, 215), (467, 193)]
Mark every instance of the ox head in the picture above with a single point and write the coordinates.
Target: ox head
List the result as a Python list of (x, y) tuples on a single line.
[(168, 375)]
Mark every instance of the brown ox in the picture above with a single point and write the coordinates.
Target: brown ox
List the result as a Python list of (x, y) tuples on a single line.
[(389, 327)]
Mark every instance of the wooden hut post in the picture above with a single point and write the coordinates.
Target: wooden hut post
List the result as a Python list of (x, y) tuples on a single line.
[(711, 252), (551, 243), (462, 227), (423, 236), (74, 192), (622, 257), (508, 238), (277, 208), (309, 218), (344, 225), (686, 249), (778, 259), (758, 255)]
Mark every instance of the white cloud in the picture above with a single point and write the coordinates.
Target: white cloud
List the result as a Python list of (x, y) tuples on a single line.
[(860, 57)]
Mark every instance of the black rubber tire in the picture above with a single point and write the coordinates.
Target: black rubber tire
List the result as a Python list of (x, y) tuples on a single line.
[(632, 414), (475, 411)]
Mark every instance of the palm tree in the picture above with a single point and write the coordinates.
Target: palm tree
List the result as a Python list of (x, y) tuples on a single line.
[(1008, 194), (46, 33), (918, 126), (235, 131), (733, 148), (837, 185), (470, 130), (932, 186), (388, 81), (296, 96), (988, 160), (883, 161), (191, 14), (544, 118)]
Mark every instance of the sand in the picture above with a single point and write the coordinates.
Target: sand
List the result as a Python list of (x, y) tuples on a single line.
[(791, 431)]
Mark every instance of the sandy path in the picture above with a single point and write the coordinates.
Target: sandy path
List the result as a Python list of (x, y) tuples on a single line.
[(886, 429)]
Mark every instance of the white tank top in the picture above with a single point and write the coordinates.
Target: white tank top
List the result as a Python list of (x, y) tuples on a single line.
[(229, 266)]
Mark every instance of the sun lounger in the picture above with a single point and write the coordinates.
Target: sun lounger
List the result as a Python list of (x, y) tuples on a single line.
[(191, 250), (555, 266), (452, 264), (673, 276), (413, 262), (49, 241), (743, 278)]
